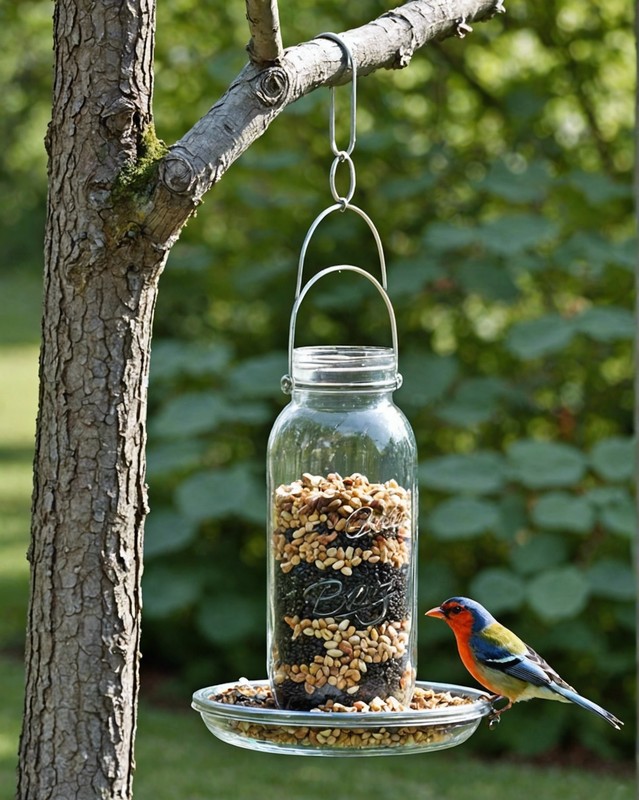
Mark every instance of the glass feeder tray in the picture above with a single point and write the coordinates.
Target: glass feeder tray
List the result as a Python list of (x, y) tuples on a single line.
[(339, 733)]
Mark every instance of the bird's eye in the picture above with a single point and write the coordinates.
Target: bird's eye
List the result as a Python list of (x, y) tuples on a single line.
[(456, 610)]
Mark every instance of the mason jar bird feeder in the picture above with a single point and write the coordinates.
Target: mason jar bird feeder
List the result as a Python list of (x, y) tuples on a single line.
[(342, 552)]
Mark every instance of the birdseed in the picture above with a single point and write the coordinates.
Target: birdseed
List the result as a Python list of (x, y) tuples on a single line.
[(342, 591), (245, 694)]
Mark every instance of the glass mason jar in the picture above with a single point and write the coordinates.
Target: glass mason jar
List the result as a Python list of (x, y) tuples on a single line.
[(342, 533)]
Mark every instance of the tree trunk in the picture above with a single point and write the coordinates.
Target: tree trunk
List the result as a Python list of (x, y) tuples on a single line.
[(89, 496), (117, 202)]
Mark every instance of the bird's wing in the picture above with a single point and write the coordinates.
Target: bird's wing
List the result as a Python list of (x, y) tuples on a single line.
[(534, 669), (498, 648)]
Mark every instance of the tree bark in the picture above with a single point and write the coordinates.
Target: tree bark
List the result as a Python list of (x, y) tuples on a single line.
[(89, 496), (265, 47), (117, 203)]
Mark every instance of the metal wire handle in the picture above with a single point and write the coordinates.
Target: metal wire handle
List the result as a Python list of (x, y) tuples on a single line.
[(288, 382), (313, 228)]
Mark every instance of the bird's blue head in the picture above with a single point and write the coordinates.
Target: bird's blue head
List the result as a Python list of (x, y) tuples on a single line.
[(462, 612)]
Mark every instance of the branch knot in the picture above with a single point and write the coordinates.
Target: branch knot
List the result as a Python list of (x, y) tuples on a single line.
[(272, 86), (177, 173)]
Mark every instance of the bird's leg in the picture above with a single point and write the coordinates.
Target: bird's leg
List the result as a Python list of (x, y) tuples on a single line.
[(494, 717)]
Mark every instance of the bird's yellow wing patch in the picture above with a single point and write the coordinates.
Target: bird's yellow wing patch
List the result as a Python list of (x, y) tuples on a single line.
[(501, 636)]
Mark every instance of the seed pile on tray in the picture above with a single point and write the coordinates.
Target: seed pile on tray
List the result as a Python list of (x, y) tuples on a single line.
[(342, 591), (244, 694)]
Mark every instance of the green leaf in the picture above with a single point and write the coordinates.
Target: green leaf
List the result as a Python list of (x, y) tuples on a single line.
[(527, 263), (171, 359), (586, 254), (513, 515), (538, 552), (612, 578), (222, 493), (167, 531), (615, 508), (525, 187), (194, 413), (579, 637), (345, 295), (437, 581), (558, 594), (229, 619), (445, 236), (598, 188), (474, 473), (475, 401), (180, 454), (613, 459), (498, 589), (462, 517), (487, 280), (259, 376), (539, 337), (561, 511), (624, 253), (606, 323), (191, 258), (255, 279), (426, 378), (620, 518), (189, 414), (408, 276), (272, 160), (541, 465), (166, 590), (406, 188), (511, 234), (604, 496)]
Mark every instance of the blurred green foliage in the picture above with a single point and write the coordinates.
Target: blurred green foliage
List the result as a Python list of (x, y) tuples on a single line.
[(497, 170)]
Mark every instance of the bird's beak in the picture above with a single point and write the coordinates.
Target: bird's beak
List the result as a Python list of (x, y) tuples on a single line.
[(435, 612)]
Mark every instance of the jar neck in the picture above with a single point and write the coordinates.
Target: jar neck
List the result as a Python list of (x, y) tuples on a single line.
[(343, 398)]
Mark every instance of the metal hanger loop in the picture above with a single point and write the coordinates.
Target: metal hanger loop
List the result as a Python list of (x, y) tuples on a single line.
[(337, 151)]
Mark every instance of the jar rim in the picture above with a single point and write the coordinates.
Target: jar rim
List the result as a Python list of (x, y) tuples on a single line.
[(336, 367)]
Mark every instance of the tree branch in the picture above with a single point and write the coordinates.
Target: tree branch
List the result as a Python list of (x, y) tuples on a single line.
[(265, 47), (257, 96)]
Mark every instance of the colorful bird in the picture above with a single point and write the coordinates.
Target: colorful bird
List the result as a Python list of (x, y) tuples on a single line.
[(503, 663)]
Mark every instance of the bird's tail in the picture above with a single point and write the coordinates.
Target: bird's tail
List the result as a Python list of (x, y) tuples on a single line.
[(571, 695)]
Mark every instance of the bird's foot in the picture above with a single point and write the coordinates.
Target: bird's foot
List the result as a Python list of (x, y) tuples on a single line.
[(494, 718)]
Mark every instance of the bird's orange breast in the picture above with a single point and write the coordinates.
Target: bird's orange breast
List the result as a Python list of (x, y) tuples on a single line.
[(469, 661)]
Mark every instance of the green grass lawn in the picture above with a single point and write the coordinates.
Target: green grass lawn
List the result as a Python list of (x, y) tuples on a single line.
[(177, 758), (211, 769)]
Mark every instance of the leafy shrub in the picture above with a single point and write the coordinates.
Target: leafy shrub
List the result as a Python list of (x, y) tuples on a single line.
[(497, 171)]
